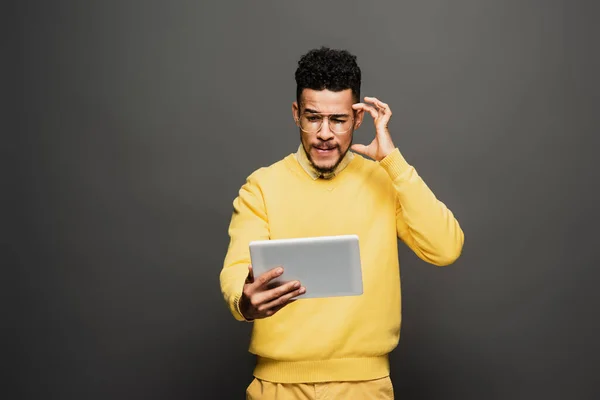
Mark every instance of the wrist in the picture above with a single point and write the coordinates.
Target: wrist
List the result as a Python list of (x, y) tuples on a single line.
[(386, 151), (395, 164), (242, 307), (386, 144)]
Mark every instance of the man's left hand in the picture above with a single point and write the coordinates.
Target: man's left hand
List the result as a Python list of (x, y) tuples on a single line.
[(382, 145)]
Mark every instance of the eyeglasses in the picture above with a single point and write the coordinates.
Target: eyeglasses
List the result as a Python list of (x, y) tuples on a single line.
[(338, 124)]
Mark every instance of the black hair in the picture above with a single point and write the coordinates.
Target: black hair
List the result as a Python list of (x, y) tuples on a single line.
[(330, 69)]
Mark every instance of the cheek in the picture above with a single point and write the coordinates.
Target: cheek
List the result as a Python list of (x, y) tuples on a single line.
[(308, 138), (345, 141)]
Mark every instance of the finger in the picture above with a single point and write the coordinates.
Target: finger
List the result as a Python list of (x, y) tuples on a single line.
[(268, 276), (380, 104), (283, 300), (382, 107), (364, 107), (250, 277), (275, 293)]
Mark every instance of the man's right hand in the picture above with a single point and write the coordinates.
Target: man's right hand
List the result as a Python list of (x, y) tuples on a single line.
[(259, 300)]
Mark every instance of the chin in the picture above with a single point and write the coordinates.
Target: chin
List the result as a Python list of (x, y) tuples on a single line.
[(326, 163), (325, 169), (326, 166)]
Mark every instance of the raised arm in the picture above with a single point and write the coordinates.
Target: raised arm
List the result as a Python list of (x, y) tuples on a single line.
[(423, 222)]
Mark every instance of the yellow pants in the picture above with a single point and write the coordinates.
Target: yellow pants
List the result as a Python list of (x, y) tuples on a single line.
[(364, 390)]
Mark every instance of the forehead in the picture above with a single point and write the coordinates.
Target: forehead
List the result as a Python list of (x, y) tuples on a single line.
[(326, 101)]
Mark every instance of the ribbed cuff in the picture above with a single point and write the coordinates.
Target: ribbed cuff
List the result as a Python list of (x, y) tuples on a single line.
[(237, 313), (395, 164)]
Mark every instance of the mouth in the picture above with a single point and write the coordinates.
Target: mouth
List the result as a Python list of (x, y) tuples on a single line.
[(324, 149)]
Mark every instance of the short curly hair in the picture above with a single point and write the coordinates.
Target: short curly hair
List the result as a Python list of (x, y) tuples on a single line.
[(330, 69)]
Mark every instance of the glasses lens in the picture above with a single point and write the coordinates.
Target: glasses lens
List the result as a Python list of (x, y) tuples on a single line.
[(312, 123)]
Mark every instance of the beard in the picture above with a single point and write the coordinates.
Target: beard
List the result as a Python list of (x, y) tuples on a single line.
[(329, 168)]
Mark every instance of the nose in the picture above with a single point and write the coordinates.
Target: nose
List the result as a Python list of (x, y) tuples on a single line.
[(325, 133)]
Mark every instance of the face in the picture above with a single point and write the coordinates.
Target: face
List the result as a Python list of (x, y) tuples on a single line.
[(326, 149)]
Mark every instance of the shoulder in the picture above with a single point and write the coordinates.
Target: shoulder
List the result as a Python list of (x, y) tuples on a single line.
[(372, 174), (269, 173), (365, 162), (369, 167)]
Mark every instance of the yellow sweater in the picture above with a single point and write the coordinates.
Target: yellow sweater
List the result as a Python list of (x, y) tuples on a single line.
[(342, 338)]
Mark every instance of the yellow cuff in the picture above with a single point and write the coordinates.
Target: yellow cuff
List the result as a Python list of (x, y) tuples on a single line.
[(395, 164), (236, 307)]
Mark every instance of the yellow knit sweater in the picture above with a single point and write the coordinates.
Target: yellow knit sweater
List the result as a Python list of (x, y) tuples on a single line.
[(341, 338)]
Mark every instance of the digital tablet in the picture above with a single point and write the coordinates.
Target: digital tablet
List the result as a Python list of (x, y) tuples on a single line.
[(327, 266)]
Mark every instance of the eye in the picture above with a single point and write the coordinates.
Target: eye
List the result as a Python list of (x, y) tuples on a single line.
[(313, 118)]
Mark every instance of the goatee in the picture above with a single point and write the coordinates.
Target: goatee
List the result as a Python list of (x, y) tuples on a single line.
[(329, 169)]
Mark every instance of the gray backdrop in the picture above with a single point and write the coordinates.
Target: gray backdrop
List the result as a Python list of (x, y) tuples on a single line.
[(139, 120)]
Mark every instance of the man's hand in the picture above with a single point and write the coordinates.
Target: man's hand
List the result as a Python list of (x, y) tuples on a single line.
[(260, 301), (382, 145)]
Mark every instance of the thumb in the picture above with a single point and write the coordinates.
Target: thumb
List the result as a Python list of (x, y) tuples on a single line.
[(250, 277), (360, 148)]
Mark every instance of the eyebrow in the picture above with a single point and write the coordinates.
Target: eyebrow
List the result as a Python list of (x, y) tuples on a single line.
[(310, 111)]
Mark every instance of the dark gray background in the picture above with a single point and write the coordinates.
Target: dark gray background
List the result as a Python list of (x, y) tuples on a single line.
[(139, 120)]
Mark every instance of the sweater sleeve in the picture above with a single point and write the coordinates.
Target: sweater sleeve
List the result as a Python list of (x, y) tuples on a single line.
[(423, 222), (248, 223)]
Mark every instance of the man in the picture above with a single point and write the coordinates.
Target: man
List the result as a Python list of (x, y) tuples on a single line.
[(335, 347)]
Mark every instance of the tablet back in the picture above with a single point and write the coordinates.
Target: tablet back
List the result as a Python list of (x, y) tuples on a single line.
[(327, 266)]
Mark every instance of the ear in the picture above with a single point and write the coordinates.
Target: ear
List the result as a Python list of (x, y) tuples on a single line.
[(295, 111), (358, 118)]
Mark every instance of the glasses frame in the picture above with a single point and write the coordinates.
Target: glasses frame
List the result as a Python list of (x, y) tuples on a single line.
[(327, 116)]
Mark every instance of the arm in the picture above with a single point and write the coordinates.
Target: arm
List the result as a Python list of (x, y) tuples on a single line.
[(248, 222), (249, 298), (424, 223)]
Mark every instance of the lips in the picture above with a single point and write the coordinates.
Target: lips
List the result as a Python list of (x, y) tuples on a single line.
[(324, 148)]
